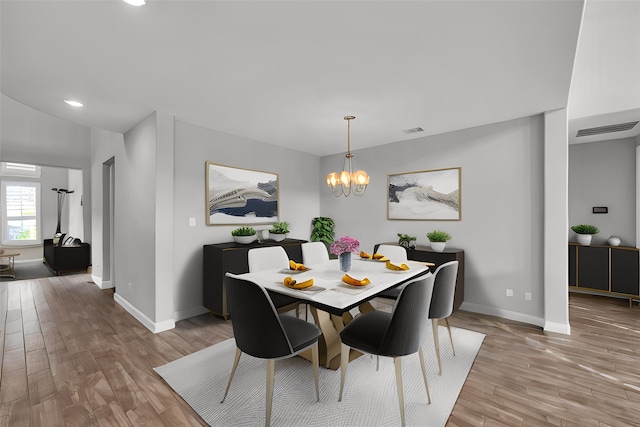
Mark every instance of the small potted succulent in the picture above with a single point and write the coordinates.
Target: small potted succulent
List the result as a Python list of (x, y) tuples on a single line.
[(438, 240), (244, 235), (406, 241), (584, 233), (279, 231)]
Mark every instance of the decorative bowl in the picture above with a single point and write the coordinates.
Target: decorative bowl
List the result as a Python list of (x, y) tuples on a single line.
[(245, 240), (277, 237)]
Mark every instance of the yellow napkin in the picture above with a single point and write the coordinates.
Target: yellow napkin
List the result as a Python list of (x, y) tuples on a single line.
[(395, 267), (355, 282), (297, 266), (290, 282)]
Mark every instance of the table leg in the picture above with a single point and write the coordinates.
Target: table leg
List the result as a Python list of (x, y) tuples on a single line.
[(329, 344)]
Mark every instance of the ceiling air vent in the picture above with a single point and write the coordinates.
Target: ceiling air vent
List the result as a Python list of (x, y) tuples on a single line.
[(414, 130), (607, 129)]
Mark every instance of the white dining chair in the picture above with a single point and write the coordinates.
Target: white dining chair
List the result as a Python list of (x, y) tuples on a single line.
[(394, 253), (269, 258), (314, 253)]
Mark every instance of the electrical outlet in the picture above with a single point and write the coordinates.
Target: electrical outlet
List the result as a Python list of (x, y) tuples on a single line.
[(192, 222), (129, 285), (509, 292), (528, 296)]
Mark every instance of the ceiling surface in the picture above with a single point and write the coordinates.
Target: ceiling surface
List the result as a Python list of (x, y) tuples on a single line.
[(286, 72)]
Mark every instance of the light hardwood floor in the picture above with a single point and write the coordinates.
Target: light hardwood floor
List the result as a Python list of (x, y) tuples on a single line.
[(72, 356)]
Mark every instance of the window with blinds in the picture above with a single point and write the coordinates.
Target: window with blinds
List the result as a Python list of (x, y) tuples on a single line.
[(21, 213)]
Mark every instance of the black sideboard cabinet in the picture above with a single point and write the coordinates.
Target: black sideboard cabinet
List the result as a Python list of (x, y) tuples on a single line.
[(426, 254), (221, 258), (608, 270)]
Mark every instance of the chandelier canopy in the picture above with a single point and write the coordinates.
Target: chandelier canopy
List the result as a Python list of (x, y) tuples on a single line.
[(345, 182)]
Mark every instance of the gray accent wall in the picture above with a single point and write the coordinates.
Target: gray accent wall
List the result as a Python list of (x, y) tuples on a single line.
[(501, 230), (604, 174), (298, 198)]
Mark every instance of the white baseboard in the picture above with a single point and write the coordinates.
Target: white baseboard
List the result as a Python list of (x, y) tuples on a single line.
[(558, 328), (106, 284), (505, 314), (191, 312), (154, 327)]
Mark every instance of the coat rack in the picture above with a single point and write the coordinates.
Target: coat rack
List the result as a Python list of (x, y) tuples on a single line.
[(62, 192)]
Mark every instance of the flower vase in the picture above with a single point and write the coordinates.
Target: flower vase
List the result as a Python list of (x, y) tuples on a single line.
[(345, 261)]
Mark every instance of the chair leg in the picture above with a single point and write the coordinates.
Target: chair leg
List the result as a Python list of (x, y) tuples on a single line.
[(377, 363), (424, 374), (450, 336), (344, 361), (316, 362), (398, 363), (233, 371), (271, 367), (436, 342)]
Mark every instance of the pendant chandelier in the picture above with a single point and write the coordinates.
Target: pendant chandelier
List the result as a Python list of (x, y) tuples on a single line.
[(347, 181)]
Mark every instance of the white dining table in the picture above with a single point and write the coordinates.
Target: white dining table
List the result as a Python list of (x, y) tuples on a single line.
[(331, 299)]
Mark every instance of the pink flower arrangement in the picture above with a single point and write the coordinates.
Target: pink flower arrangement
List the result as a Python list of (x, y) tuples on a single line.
[(345, 244)]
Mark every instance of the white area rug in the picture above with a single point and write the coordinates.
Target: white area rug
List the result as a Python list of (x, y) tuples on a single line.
[(370, 397)]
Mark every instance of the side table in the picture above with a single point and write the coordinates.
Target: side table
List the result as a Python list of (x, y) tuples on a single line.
[(7, 261)]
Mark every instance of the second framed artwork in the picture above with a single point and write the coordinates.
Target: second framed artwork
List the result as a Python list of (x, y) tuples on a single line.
[(431, 195), (236, 196)]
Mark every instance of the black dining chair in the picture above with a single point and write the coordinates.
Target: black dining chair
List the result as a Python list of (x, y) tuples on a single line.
[(263, 333), (394, 334), (444, 288)]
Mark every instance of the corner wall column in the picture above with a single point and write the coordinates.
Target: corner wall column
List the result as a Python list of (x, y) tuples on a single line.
[(556, 222)]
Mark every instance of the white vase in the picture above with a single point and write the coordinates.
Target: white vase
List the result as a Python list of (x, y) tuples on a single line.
[(438, 246), (277, 237), (613, 241), (584, 239), (345, 261)]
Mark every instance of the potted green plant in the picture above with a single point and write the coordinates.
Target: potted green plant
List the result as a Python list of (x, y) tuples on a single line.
[(438, 240), (244, 235), (323, 230), (584, 233), (406, 241), (279, 231)]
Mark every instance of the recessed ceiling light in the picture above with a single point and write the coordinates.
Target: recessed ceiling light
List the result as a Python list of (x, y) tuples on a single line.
[(74, 103), (136, 2)]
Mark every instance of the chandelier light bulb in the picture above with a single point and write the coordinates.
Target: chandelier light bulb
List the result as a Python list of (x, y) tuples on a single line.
[(342, 183)]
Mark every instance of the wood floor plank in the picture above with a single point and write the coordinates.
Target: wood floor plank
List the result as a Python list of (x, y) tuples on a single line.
[(41, 387), (47, 414), (19, 413), (112, 416), (14, 386)]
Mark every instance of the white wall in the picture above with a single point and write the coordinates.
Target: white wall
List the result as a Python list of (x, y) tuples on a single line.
[(502, 223), (135, 211), (74, 204), (298, 201), (105, 146), (603, 174)]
